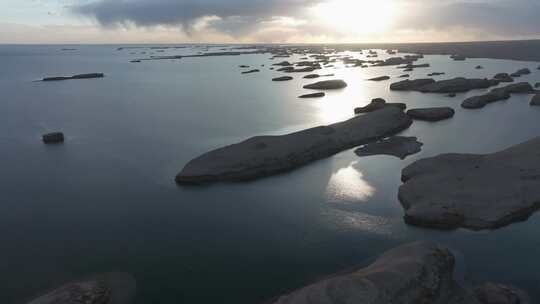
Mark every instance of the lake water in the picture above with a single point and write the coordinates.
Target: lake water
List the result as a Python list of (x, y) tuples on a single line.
[(106, 200)]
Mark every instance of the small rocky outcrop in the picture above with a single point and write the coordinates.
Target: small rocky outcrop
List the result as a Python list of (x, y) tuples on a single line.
[(78, 76), (283, 64), (414, 66), (268, 155), (504, 77), (458, 57), (380, 78), (431, 114), (108, 288), (436, 74), (479, 67), (498, 94), (251, 71), (327, 85), (313, 95), (282, 78), (53, 138), (420, 272), (377, 104), (311, 76), (397, 146), (537, 85), (404, 76), (243, 66), (473, 191), (535, 100)]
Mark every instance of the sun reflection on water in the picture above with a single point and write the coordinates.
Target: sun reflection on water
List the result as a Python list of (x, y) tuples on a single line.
[(348, 184)]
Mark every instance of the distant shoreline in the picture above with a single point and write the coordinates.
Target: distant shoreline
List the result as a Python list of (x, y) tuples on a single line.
[(521, 50)]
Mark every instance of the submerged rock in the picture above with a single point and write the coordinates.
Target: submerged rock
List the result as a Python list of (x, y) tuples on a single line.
[(327, 85), (381, 78), (78, 76), (537, 85), (377, 104), (251, 71), (282, 78), (313, 95), (108, 288), (479, 67), (535, 100), (397, 146), (243, 66), (53, 138), (451, 95), (431, 114), (268, 155), (420, 272), (498, 94), (436, 74), (473, 191)]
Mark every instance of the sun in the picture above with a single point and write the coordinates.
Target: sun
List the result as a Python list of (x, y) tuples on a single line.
[(356, 16)]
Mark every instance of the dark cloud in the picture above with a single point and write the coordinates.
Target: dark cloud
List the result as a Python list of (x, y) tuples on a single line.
[(500, 17), (155, 12), (242, 17)]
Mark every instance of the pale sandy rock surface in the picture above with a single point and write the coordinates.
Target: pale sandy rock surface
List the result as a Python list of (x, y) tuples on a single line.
[(473, 191)]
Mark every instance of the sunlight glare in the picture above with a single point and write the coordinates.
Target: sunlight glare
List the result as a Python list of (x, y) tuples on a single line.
[(348, 184), (357, 16)]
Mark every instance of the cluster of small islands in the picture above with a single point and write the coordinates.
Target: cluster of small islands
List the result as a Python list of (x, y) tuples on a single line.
[(449, 191)]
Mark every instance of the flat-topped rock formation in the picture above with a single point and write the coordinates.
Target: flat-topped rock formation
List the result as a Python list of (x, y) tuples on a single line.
[(420, 272), (377, 104), (268, 155), (53, 138), (327, 85), (432, 114), (397, 146), (429, 85), (498, 94), (251, 71), (411, 84), (282, 78), (313, 95), (473, 191), (78, 76), (108, 288), (380, 78)]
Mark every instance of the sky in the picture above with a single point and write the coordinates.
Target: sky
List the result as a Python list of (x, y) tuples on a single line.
[(266, 21)]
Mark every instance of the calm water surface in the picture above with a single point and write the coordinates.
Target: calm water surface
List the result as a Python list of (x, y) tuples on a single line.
[(106, 199)]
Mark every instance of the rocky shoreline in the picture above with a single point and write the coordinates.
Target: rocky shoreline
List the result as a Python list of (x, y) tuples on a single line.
[(420, 272)]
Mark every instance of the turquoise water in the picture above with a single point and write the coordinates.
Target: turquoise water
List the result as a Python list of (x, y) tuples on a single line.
[(106, 199)]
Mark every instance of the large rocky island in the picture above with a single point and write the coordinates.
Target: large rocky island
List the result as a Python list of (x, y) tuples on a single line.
[(414, 273), (267, 155), (473, 191), (106, 288)]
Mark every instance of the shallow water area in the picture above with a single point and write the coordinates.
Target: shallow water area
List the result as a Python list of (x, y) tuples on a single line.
[(106, 199)]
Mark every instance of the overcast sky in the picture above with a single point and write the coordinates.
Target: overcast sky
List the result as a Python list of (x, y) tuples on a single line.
[(138, 21)]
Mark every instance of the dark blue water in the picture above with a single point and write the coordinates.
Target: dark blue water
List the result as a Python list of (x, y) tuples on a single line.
[(106, 199)]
